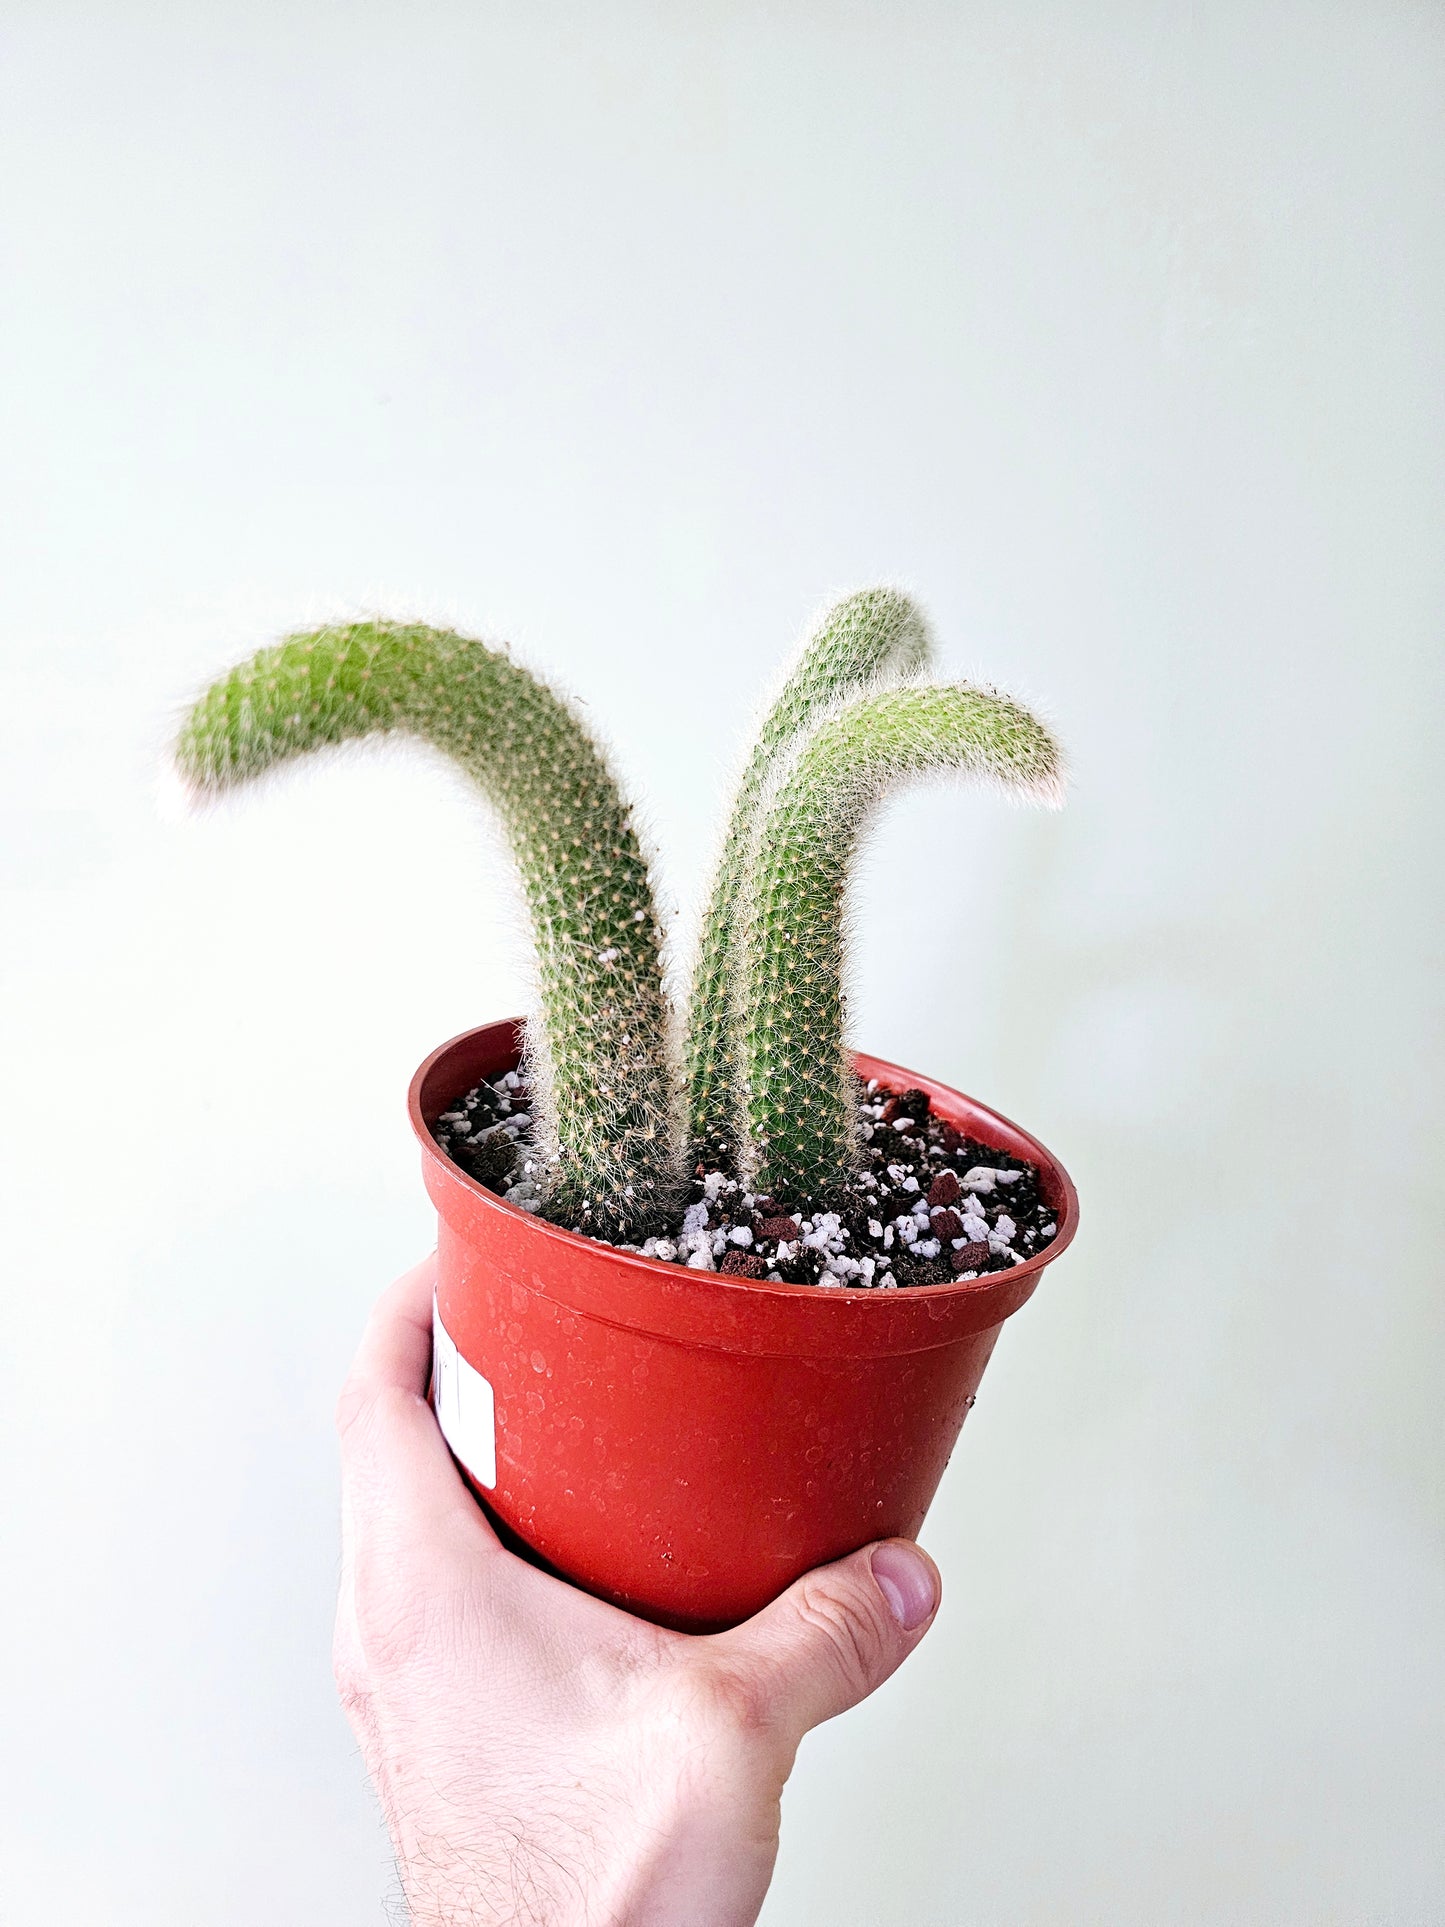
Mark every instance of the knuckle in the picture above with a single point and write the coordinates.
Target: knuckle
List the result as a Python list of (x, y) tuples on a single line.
[(365, 1410), (403, 1623), (852, 1633), (352, 1407)]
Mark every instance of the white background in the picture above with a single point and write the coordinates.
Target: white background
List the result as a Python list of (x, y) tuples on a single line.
[(629, 333)]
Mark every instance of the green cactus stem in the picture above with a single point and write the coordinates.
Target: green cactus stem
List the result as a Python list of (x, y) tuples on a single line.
[(598, 1042), (801, 1106), (874, 636)]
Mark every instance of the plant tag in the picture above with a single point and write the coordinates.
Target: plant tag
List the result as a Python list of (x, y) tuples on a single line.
[(464, 1405)]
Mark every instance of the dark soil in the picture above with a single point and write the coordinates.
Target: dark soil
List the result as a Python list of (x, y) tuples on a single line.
[(927, 1204)]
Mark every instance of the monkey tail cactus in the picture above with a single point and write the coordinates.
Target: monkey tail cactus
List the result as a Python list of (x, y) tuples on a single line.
[(869, 638), (800, 1103), (598, 1044)]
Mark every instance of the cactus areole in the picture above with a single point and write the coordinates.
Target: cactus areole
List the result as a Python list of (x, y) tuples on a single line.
[(663, 1355)]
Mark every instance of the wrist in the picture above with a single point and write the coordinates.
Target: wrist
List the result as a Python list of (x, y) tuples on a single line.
[(684, 1863)]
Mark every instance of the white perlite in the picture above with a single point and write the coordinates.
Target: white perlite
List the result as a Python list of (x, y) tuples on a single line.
[(983, 1178)]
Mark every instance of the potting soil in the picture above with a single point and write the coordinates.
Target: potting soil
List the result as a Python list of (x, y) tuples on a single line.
[(926, 1204)]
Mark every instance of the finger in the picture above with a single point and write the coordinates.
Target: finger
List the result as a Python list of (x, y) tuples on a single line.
[(395, 1348), (398, 1478), (836, 1634)]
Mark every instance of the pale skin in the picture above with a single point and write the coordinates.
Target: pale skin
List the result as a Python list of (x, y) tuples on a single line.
[(543, 1759)]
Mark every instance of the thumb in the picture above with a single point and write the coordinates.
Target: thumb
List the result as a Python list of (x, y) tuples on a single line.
[(837, 1633)]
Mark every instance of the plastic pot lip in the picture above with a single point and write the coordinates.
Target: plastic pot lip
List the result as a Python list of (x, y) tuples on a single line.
[(1015, 1285)]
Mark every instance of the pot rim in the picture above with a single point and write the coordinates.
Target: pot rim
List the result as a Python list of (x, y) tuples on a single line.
[(867, 1066)]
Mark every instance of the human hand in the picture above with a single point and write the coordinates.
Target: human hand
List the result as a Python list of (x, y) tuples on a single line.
[(542, 1758)]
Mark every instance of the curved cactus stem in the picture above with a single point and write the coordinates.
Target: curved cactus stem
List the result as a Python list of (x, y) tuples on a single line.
[(598, 1043), (801, 1103), (871, 637)]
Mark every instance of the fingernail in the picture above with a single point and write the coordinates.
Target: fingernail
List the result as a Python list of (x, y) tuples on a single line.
[(906, 1580)]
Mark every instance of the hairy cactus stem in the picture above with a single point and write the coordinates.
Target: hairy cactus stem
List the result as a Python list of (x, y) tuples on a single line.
[(800, 1093), (869, 638), (598, 1043)]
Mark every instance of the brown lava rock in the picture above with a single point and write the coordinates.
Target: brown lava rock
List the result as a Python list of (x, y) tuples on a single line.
[(971, 1257), (784, 1229), (742, 1264)]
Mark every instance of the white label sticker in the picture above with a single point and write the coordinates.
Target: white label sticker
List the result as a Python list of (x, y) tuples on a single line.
[(465, 1407)]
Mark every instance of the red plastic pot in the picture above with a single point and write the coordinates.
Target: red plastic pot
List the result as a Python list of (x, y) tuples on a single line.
[(683, 1443)]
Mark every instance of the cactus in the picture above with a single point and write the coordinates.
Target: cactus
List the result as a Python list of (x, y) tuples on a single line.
[(871, 637), (766, 1084), (800, 1134), (598, 1044)]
